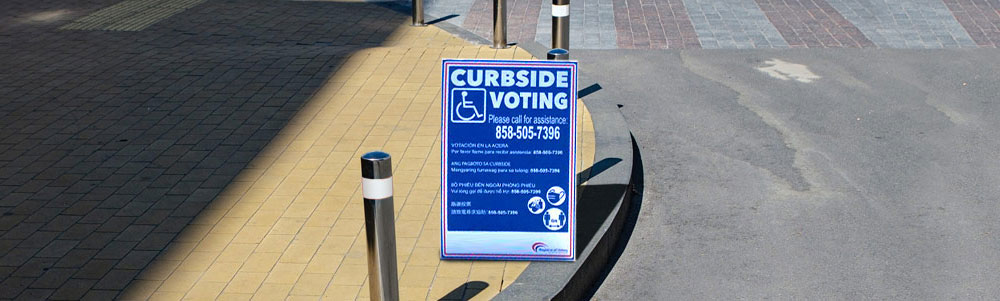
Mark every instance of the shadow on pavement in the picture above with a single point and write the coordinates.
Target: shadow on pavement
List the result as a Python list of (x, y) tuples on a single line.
[(589, 90), (441, 19), (599, 201), (596, 169), (112, 142), (466, 291), (630, 220)]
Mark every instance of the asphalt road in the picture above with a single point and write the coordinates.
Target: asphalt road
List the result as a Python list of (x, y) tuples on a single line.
[(863, 174)]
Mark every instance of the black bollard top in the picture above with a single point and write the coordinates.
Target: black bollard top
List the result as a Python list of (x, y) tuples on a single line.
[(376, 165), (558, 54)]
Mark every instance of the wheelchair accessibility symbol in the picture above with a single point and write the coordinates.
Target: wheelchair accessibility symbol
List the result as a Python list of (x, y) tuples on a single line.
[(468, 105)]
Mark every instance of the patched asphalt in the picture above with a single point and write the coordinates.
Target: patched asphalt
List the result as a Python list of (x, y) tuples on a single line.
[(877, 179)]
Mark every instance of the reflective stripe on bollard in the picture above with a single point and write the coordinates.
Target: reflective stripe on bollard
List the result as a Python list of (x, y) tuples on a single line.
[(380, 228)]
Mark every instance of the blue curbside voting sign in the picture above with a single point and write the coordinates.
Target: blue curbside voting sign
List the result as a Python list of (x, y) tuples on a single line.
[(508, 160)]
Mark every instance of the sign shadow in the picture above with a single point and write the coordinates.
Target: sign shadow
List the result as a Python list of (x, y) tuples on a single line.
[(595, 202), (588, 90)]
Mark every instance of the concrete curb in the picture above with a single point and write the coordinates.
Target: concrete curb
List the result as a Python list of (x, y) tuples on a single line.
[(601, 212), (538, 50)]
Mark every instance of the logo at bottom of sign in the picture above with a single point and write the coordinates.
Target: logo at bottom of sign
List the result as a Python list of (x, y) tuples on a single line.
[(541, 247)]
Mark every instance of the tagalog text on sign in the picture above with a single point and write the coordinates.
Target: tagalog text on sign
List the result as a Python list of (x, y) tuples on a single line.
[(508, 160)]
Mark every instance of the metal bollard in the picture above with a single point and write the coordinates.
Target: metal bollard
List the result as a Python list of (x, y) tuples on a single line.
[(418, 13), (560, 24), (499, 24), (558, 54), (380, 228)]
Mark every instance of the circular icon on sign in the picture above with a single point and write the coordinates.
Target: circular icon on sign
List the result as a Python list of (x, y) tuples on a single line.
[(536, 205), (554, 219), (556, 196)]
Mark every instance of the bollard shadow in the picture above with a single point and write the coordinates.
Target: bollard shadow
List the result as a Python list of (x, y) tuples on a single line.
[(596, 169), (466, 291), (588, 90), (441, 19)]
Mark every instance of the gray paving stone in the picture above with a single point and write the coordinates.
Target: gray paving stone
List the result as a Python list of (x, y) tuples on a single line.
[(53, 278), (591, 25), (35, 294), (444, 8), (57, 248), (905, 23), (74, 289), (731, 24), (543, 35)]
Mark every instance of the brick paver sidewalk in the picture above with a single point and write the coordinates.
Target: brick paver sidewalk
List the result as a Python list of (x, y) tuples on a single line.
[(211, 150), (729, 24)]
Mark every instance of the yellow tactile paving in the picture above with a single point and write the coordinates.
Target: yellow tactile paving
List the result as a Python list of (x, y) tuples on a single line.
[(291, 225)]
